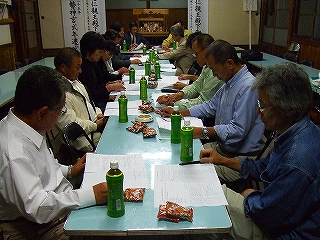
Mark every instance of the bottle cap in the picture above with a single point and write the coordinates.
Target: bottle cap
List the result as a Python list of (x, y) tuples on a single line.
[(122, 93), (187, 122), (175, 108), (114, 164)]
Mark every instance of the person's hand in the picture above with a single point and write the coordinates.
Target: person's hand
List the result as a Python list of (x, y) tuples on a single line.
[(247, 191), (100, 191), (137, 55), (78, 168), (112, 98), (116, 86), (184, 76), (197, 132), (166, 112), (179, 85), (135, 61), (100, 115), (210, 156), (167, 49), (123, 70), (101, 123)]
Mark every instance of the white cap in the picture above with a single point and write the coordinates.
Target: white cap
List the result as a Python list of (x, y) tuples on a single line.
[(175, 108), (122, 93), (114, 164), (187, 122)]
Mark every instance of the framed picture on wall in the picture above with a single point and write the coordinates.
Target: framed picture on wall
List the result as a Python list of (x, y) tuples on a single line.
[(3, 5)]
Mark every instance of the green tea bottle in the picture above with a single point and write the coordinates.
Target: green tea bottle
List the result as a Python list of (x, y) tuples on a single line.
[(114, 179), (123, 103), (175, 125), (132, 75), (186, 154), (124, 46), (143, 88)]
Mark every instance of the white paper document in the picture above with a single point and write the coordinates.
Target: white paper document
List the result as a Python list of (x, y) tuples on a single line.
[(164, 125), (132, 166), (189, 185), (112, 108)]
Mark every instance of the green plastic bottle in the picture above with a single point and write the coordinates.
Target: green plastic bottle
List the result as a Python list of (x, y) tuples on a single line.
[(151, 55), (147, 68), (144, 50), (124, 46), (157, 70), (114, 179), (186, 153), (123, 111), (175, 125), (143, 88), (132, 75), (174, 45)]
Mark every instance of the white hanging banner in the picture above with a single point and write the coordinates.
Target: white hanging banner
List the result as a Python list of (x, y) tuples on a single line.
[(198, 15), (81, 16)]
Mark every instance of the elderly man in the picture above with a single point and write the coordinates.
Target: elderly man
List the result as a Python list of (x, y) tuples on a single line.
[(79, 105), (204, 87), (238, 130), (169, 40), (288, 207), (182, 56), (35, 195)]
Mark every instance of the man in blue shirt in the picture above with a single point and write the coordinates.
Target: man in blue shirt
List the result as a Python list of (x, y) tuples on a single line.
[(288, 208), (238, 130)]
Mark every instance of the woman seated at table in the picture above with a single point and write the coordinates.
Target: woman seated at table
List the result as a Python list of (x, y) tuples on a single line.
[(92, 45)]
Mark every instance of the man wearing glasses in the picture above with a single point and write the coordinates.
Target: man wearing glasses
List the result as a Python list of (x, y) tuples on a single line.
[(35, 194), (237, 129), (182, 56), (288, 207), (204, 87)]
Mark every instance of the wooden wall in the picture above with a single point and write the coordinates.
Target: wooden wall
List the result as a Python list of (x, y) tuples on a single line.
[(125, 16)]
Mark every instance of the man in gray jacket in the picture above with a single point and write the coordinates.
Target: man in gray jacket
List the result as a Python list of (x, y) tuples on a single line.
[(182, 55)]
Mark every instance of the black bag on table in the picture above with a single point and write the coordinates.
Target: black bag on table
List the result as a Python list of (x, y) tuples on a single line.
[(251, 55)]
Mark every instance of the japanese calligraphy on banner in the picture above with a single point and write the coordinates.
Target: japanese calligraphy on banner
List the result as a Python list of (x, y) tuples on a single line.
[(81, 16), (198, 15)]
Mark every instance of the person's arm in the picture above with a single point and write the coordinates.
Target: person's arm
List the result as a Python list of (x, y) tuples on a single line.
[(145, 41), (168, 41), (180, 51), (212, 156)]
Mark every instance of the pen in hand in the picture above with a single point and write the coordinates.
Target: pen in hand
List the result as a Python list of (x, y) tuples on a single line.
[(192, 162)]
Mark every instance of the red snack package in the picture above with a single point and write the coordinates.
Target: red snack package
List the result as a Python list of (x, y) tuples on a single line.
[(176, 211), (162, 214), (146, 108), (149, 132), (134, 194)]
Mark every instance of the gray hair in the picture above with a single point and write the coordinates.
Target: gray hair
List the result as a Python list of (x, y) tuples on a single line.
[(177, 30), (288, 87)]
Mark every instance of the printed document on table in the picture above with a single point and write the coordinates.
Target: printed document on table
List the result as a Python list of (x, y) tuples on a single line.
[(164, 125), (112, 108), (188, 185), (132, 166)]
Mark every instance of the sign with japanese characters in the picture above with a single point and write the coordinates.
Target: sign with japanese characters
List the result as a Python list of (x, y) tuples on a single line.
[(198, 15), (81, 16)]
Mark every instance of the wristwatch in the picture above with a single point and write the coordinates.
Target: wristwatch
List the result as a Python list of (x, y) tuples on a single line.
[(205, 133)]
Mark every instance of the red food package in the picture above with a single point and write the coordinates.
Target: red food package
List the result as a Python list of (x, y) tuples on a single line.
[(146, 108), (176, 211), (162, 214), (134, 194), (149, 132)]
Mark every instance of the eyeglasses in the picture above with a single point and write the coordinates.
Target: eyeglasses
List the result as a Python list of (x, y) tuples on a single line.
[(196, 53), (262, 109)]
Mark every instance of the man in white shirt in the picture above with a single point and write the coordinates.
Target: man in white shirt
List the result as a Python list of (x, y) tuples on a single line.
[(35, 195), (79, 105)]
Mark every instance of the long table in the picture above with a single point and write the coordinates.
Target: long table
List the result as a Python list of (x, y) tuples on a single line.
[(141, 218), (8, 81)]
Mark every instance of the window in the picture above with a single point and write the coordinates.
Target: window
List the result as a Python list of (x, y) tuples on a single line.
[(308, 19)]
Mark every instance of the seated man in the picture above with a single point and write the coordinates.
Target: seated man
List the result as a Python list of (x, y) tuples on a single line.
[(35, 195), (169, 40), (133, 38), (119, 63), (79, 105), (204, 87), (182, 56), (238, 130), (288, 207)]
